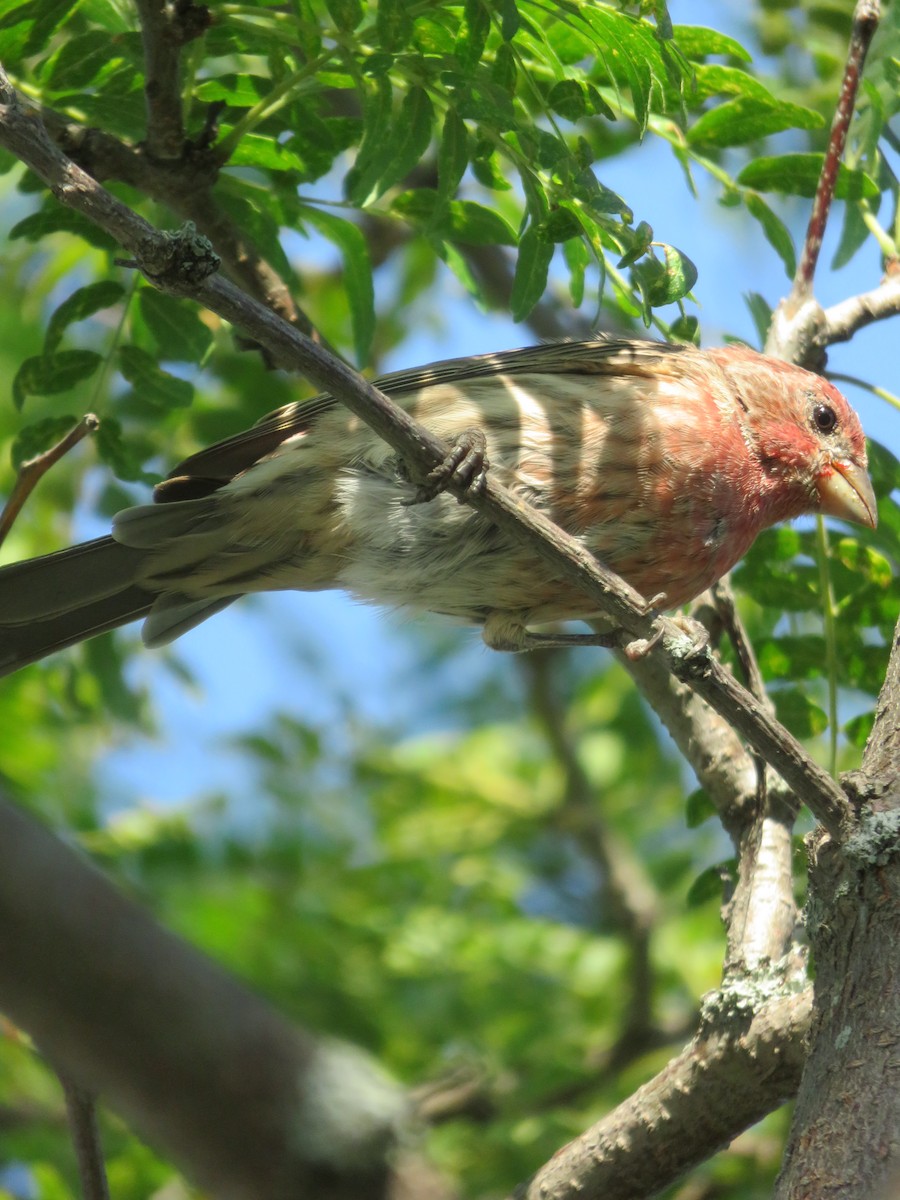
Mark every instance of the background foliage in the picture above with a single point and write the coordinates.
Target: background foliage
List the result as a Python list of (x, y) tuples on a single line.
[(430, 889)]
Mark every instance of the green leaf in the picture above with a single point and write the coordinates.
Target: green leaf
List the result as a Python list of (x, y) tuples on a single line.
[(666, 282), (568, 98), (256, 150), (39, 436), (798, 175), (509, 19), (698, 808), (486, 169), (801, 716), (237, 91), (560, 225), (56, 219), (854, 234), (857, 729), (413, 127), (460, 220), (357, 277), (82, 303), (393, 24), (116, 451), (530, 279), (363, 176), (746, 119), (152, 384), (176, 326), (48, 15), (453, 154), (709, 885), (80, 60), (777, 233), (696, 41), (49, 374), (629, 49), (505, 71), (761, 312), (475, 27), (346, 14), (578, 258), (686, 328), (642, 237), (711, 79)]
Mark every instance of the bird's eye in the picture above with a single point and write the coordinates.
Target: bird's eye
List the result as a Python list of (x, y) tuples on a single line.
[(824, 418)]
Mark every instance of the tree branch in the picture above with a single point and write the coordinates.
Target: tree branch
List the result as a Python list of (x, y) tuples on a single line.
[(162, 260), (184, 186), (251, 1107), (842, 320), (728, 1077), (163, 32), (844, 1132), (798, 330)]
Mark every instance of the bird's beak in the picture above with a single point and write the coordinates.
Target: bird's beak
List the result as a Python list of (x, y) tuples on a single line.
[(846, 492)]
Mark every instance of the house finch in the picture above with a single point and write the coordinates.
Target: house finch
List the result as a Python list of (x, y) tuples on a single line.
[(666, 461)]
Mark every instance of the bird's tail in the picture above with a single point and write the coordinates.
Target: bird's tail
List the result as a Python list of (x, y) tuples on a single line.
[(52, 602)]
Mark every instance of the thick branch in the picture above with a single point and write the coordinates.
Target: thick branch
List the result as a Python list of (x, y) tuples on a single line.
[(845, 1125), (251, 1107), (722, 1082), (689, 660), (761, 932)]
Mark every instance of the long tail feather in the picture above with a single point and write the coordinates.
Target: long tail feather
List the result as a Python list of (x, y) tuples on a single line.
[(52, 602)]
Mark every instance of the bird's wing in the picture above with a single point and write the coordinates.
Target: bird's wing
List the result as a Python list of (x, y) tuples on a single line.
[(210, 469)]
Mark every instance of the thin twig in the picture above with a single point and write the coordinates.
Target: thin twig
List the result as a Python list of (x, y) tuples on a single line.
[(865, 21), (799, 329), (81, 1109), (32, 471)]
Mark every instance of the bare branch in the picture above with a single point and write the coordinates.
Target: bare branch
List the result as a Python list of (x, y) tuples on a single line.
[(865, 21), (166, 25), (732, 1073), (32, 471), (162, 261), (798, 330), (842, 320), (81, 1109)]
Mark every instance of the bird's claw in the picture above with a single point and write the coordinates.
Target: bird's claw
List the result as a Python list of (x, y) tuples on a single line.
[(641, 647), (508, 632), (466, 466)]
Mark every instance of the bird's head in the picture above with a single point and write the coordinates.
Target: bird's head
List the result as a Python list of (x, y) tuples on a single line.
[(805, 436)]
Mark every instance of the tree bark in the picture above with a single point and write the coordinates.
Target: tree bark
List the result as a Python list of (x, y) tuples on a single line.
[(845, 1139)]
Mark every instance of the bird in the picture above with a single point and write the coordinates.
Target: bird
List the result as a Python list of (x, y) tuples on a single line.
[(664, 460)]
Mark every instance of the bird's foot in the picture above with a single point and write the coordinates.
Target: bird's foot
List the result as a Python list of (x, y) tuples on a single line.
[(466, 466), (506, 632)]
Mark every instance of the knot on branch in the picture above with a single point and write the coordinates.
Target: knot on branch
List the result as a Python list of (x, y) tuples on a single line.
[(688, 650), (190, 20), (180, 260), (744, 994)]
